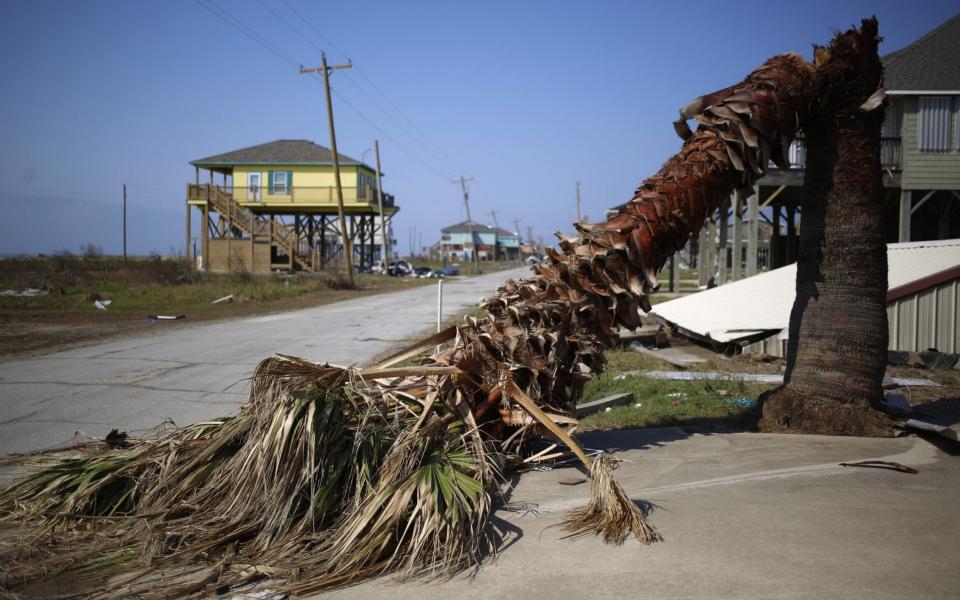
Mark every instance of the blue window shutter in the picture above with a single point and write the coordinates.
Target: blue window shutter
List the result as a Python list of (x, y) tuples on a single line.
[(290, 182), (270, 181)]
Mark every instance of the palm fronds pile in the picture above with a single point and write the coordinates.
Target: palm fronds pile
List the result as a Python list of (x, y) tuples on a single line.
[(332, 475)]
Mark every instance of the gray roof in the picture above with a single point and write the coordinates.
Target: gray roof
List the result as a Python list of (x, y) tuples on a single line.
[(279, 152), (930, 63), (464, 228)]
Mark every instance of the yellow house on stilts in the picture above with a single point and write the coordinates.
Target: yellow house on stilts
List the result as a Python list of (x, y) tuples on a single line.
[(274, 207)]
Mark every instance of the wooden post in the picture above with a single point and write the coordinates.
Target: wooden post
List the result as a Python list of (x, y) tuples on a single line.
[(702, 258), (711, 261), (579, 217), (906, 208), (187, 254), (124, 223), (466, 203), (205, 239), (722, 249), (753, 230), (253, 243), (776, 260), (383, 227), (673, 273), (791, 232), (737, 235)]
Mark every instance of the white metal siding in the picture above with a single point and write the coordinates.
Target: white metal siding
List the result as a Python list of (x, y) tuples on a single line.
[(927, 319)]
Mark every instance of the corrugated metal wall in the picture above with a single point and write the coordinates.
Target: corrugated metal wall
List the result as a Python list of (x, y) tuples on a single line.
[(924, 320), (927, 319)]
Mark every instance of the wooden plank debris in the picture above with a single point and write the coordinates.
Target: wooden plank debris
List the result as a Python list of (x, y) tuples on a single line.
[(602, 404)]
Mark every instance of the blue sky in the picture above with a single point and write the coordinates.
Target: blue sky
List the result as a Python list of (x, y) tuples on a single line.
[(526, 97)]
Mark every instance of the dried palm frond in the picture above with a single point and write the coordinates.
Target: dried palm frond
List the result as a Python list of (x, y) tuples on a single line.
[(329, 475), (610, 512)]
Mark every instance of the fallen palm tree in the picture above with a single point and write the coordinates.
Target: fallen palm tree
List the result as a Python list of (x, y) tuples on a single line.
[(331, 475)]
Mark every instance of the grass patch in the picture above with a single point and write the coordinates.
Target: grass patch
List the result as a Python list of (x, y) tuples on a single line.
[(704, 405)]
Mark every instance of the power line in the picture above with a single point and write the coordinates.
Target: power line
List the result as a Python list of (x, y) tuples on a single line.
[(425, 141), (246, 30)]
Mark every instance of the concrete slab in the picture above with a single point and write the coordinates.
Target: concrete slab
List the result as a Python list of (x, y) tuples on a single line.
[(744, 516), (193, 373)]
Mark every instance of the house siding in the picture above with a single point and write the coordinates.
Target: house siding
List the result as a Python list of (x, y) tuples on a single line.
[(928, 170)]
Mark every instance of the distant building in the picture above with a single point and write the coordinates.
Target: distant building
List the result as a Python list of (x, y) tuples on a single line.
[(508, 244), (274, 206), (490, 243)]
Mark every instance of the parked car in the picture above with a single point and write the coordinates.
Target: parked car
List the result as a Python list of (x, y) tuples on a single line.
[(426, 272), (450, 270), (400, 268)]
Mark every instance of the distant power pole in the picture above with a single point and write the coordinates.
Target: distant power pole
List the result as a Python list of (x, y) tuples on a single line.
[(530, 237), (124, 223), (579, 218), (466, 203), (383, 227), (516, 228), (496, 247), (347, 242)]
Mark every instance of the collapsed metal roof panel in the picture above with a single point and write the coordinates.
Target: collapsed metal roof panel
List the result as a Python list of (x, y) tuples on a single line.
[(743, 309)]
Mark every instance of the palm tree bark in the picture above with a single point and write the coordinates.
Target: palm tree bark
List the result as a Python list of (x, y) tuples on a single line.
[(836, 355)]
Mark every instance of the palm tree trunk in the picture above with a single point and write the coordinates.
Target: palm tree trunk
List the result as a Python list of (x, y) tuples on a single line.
[(836, 355)]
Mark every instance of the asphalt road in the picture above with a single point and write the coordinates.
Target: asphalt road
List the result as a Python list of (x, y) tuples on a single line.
[(190, 373)]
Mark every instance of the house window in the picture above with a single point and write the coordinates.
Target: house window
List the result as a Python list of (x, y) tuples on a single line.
[(933, 123), (279, 182)]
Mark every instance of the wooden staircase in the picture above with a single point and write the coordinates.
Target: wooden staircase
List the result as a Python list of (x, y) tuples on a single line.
[(279, 235)]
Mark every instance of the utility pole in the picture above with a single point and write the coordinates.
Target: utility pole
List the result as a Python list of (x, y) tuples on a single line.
[(493, 215), (383, 227), (347, 242), (516, 228), (466, 203), (579, 218), (124, 223)]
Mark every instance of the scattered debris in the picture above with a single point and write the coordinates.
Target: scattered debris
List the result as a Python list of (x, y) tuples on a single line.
[(931, 359), (945, 432), (572, 481), (27, 293), (674, 356), (228, 298), (895, 402), (647, 335), (742, 402), (102, 304), (881, 464), (165, 317), (604, 404), (752, 377)]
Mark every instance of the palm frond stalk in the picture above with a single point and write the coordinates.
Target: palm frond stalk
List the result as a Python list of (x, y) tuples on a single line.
[(330, 475)]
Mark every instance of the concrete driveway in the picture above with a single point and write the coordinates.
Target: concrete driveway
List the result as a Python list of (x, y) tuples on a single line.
[(745, 516), (190, 373)]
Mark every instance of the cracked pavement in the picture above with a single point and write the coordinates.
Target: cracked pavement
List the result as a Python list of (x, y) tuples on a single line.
[(189, 374)]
